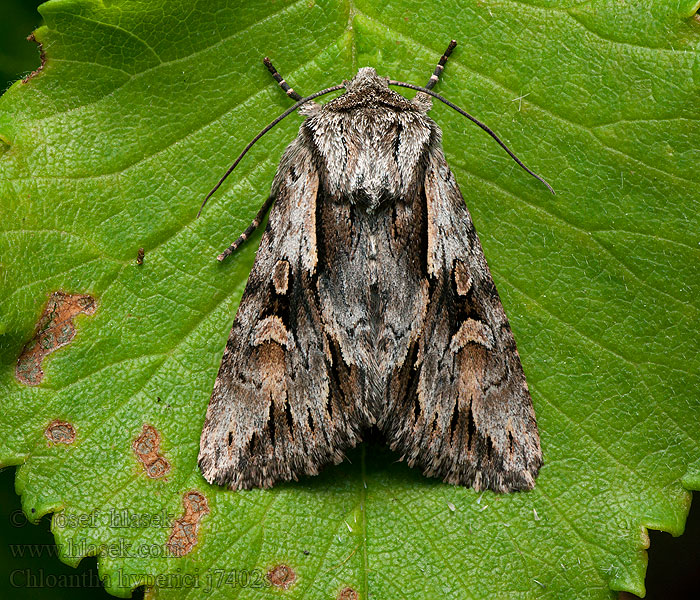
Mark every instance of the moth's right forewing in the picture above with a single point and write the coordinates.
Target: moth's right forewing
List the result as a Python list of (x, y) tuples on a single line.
[(464, 412), (270, 417)]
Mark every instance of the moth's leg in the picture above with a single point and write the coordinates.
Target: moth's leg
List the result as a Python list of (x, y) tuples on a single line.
[(250, 229), (440, 66), (282, 83)]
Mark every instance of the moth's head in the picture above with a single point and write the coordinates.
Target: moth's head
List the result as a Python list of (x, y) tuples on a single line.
[(366, 78), (367, 89)]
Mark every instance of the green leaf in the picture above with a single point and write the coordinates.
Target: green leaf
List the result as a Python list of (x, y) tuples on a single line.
[(137, 112)]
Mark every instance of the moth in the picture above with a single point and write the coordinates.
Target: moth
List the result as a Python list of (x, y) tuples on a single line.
[(370, 304)]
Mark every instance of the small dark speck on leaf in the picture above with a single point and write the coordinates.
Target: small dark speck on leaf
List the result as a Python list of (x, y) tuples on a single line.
[(139, 256)]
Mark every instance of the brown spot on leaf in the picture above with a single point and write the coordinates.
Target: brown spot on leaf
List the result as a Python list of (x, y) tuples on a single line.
[(183, 537), (54, 329), (147, 450), (42, 56), (348, 593), (139, 256), (60, 432), (281, 576)]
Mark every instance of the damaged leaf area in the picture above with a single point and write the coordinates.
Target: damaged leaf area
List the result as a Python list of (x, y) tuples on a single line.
[(54, 330), (348, 593), (140, 108), (183, 536), (60, 432), (281, 576), (42, 58), (147, 450)]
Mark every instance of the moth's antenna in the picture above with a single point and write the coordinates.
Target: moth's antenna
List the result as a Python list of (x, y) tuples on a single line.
[(281, 82), (474, 120), (441, 65), (286, 113)]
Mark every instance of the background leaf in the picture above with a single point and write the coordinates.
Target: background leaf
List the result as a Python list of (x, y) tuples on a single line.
[(17, 57), (138, 110)]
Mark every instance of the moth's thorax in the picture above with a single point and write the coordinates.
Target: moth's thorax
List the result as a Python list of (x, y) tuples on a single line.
[(370, 142)]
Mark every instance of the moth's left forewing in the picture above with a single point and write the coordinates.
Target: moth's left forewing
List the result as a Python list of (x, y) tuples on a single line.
[(467, 414), (276, 412)]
